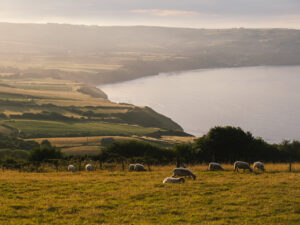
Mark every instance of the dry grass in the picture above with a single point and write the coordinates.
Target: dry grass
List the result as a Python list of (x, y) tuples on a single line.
[(5, 130), (82, 150), (104, 197), (57, 92), (179, 139)]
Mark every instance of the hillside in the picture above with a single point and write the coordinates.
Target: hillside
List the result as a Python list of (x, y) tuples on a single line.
[(41, 108), (98, 55)]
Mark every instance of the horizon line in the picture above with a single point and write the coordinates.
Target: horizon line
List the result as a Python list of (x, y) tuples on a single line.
[(154, 26)]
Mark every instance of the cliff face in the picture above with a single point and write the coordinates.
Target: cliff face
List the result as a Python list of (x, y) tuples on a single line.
[(147, 117), (92, 91)]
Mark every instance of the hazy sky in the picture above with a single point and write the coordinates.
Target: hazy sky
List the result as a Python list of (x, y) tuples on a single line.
[(179, 13)]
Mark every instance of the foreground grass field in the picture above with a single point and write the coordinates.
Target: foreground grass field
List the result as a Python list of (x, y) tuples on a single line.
[(103, 197)]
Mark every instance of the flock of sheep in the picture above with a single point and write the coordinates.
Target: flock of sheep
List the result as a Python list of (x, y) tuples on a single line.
[(179, 173)]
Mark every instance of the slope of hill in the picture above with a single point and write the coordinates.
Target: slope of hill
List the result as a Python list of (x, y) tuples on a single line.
[(97, 55), (58, 108)]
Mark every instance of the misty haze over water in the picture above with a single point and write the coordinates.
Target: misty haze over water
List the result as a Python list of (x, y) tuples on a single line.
[(262, 100)]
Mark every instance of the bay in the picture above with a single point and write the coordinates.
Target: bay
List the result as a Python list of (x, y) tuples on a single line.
[(262, 100)]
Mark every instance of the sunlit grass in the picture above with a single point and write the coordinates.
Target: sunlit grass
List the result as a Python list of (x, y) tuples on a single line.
[(82, 150), (141, 198), (36, 128)]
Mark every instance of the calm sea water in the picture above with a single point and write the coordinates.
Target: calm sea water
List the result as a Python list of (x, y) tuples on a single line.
[(262, 100)]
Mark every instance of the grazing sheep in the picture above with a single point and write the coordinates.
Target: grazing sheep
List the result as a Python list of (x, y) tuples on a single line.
[(241, 165), (131, 167), (213, 166), (72, 168), (174, 180), (259, 165), (89, 167), (139, 167), (183, 172)]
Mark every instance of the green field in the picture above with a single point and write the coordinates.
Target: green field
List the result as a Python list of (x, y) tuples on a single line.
[(42, 108), (103, 197), (36, 128)]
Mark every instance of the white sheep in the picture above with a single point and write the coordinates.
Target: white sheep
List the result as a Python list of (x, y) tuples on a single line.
[(139, 167), (259, 165), (131, 167), (241, 165), (183, 172), (174, 180), (89, 167), (71, 168), (213, 166)]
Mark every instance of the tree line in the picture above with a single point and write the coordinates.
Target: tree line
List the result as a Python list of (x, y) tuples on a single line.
[(220, 144)]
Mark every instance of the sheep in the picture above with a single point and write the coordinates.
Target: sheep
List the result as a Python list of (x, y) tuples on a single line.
[(213, 166), (89, 167), (241, 165), (183, 172), (173, 180), (259, 165), (72, 168), (139, 167), (131, 167)]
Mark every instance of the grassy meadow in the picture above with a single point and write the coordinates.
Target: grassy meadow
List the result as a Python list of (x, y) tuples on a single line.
[(117, 197), (37, 128), (91, 145)]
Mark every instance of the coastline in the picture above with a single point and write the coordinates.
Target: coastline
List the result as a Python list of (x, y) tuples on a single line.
[(215, 110), (178, 72)]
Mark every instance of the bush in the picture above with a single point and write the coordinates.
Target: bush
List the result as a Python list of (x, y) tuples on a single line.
[(12, 142), (228, 144), (44, 153), (137, 149)]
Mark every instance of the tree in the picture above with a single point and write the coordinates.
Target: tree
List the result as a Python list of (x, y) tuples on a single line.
[(44, 153), (46, 143), (136, 149), (291, 150), (225, 144), (184, 152)]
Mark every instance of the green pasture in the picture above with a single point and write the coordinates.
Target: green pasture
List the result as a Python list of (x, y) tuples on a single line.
[(36, 128), (104, 197)]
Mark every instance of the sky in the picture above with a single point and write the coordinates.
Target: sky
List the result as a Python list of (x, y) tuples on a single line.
[(174, 13)]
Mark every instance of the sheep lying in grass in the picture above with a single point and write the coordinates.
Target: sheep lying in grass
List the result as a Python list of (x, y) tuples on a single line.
[(213, 166), (139, 167), (89, 167), (131, 167), (241, 165), (174, 180), (71, 168), (259, 165), (183, 172)]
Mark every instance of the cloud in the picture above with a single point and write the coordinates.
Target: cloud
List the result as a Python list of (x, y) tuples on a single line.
[(182, 13), (163, 12)]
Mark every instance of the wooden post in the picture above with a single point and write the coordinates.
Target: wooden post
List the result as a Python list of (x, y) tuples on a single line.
[(56, 165), (148, 164), (123, 165), (79, 165), (178, 162)]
